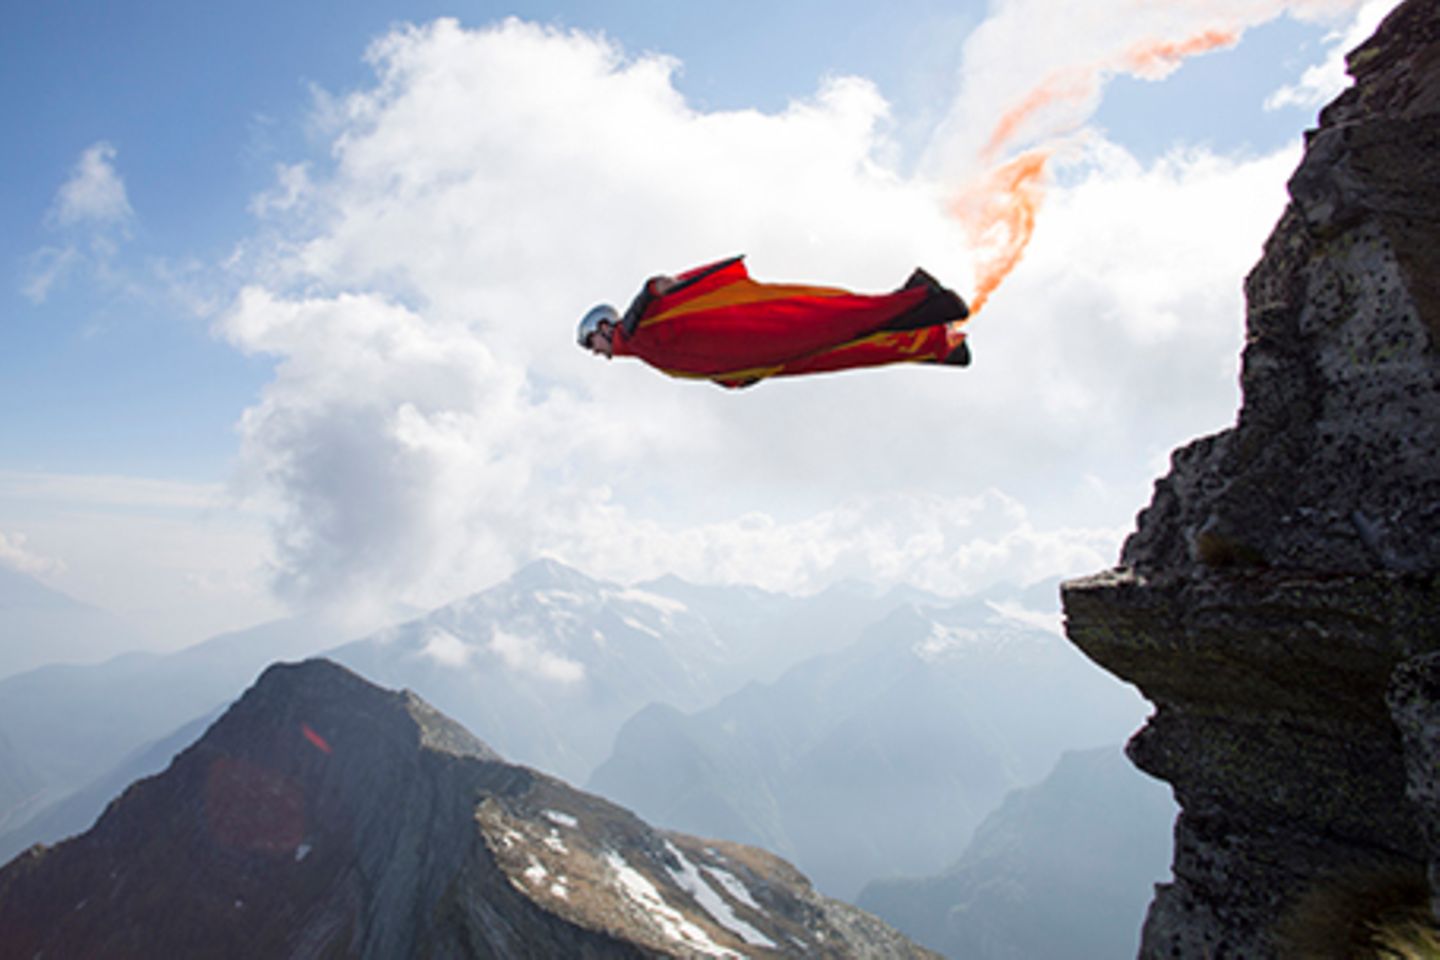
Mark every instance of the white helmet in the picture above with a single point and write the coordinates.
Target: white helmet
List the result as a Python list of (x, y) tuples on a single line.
[(591, 322)]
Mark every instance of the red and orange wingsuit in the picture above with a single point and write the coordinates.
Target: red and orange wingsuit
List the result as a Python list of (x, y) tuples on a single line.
[(717, 323)]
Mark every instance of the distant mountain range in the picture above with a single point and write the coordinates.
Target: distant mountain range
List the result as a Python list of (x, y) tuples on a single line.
[(18, 783), (52, 816), (1063, 869), (40, 626), (323, 817), (916, 731), (71, 723), (859, 733), (550, 663)]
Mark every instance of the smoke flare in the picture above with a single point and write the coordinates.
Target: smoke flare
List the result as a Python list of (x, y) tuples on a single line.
[(999, 209), (1157, 58), (1000, 212), (1073, 85)]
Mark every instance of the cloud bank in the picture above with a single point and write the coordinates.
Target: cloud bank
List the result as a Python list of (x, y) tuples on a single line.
[(431, 423)]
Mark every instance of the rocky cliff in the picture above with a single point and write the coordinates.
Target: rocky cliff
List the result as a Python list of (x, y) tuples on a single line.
[(324, 817), (1280, 594)]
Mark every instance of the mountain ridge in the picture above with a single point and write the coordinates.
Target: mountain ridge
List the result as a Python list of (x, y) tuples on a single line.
[(323, 816)]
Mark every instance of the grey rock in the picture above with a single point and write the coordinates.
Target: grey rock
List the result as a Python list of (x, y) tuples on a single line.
[(1286, 567), (1335, 461), (1414, 700)]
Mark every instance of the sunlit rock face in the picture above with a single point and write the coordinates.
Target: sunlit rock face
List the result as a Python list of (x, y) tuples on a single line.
[(322, 816), (1287, 567)]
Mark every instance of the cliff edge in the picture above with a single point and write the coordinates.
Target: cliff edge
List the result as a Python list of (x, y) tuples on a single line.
[(1280, 594)]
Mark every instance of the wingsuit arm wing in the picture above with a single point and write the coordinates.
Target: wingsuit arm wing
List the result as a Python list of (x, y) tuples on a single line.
[(637, 309), (659, 286)]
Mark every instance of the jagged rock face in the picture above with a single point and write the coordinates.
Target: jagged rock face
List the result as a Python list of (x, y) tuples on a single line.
[(1286, 567), (1334, 464), (324, 817)]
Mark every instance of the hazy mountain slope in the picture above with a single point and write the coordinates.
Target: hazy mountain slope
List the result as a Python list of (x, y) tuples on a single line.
[(18, 784), (880, 759), (70, 724), (77, 811), (767, 633), (1061, 870), (324, 817), (39, 625)]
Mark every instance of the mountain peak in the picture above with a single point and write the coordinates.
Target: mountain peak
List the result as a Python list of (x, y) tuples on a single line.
[(548, 574), (318, 695), (322, 815)]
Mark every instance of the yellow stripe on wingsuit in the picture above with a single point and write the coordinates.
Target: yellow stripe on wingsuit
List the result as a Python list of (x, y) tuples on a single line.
[(739, 293), (904, 341)]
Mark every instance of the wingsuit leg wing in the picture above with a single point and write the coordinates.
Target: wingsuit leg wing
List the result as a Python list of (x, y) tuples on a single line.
[(943, 343)]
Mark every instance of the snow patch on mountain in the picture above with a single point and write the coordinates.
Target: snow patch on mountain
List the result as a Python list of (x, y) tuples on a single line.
[(944, 641), (634, 624), (733, 886), (672, 923), (1050, 622), (563, 819), (1006, 626), (691, 879), (666, 605)]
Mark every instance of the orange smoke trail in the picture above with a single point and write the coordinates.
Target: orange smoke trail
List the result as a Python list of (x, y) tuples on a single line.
[(999, 213), (1156, 58), (1072, 85), (1000, 209)]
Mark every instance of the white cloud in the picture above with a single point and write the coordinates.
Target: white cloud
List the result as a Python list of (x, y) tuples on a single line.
[(446, 649), (431, 422), (95, 192), (292, 186), (15, 555), (1325, 80), (92, 212), (180, 558), (1035, 71), (112, 493), (947, 544), (528, 656), (45, 268)]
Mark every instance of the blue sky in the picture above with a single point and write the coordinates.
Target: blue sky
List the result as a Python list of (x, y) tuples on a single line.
[(200, 102), (142, 136)]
